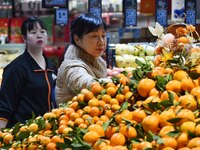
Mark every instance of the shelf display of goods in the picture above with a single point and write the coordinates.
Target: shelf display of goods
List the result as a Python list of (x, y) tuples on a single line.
[(126, 54), (151, 107)]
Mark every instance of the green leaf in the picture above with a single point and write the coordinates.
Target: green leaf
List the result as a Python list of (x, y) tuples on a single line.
[(140, 132), (161, 82), (107, 124), (174, 120), (171, 96), (68, 141), (115, 80), (22, 135), (16, 128), (63, 145), (149, 136), (125, 73), (160, 141), (80, 146), (155, 106), (166, 103), (194, 75), (124, 106), (41, 123), (174, 133)]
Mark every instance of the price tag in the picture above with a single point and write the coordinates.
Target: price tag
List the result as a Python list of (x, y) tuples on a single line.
[(56, 2), (190, 11), (61, 16), (130, 12), (161, 12), (95, 7), (96, 11)]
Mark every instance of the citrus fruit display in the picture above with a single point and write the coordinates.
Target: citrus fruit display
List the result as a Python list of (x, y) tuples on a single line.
[(134, 111), (152, 107)]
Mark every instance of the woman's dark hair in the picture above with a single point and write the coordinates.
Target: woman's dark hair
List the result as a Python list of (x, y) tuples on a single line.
[(84, 24), (30, 23)]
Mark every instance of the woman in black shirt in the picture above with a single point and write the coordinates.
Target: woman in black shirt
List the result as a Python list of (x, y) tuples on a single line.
[(27, 83)]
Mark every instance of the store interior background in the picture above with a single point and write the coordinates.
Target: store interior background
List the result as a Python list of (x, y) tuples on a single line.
[(14, 11)]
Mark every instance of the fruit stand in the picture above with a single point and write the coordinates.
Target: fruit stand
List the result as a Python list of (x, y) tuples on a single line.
[(154, 106)]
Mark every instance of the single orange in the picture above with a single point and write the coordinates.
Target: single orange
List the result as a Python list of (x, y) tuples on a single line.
[(169, 142), (78, 121), (95, 111), (165, 130), (8, 138), (106, 98), (61, 128), (96, 89), (182, 140), (145, 86), (45, 140), (57, 139), (88, 95), (91, 137), (188, 102), (150, 123), (138, 115), (129, 132), (165, 116), (179, 75), (51, 146), (187, 84), (120, 98), (33, 127), (97, 128), (195, 142), (111, 91), (93, 102), (174, 85), (117, 139), (188, 127)]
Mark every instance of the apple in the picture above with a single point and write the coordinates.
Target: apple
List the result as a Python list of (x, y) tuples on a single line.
[(141, 51), (129, 69), (121, 49), (135, 51), (150, 50), (119, 61), (127, 60)]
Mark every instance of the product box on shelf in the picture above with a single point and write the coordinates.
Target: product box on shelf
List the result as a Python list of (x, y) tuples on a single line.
[(4, 25), (15, 30)]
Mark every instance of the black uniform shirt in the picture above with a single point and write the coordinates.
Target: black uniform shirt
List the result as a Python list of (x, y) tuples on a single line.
[(26, 89)]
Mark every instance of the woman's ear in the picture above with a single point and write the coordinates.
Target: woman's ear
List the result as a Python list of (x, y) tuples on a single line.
[(76, 40), (24, 38)]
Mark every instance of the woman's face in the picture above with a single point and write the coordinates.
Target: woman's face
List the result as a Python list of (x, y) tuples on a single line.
[(36, 38), (94, 43)]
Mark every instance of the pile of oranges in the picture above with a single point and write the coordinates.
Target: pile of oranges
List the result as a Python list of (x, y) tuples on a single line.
[(157, 111)]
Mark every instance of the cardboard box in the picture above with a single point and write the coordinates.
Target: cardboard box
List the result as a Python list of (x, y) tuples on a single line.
[(147, 7)]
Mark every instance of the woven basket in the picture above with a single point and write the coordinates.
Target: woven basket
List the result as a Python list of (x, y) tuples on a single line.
[(172, 29)]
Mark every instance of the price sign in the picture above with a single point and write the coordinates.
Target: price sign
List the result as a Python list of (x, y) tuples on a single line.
[(54, 3), (61, 16), (161, 12), (190, 11), (95, 7), (130, 12)]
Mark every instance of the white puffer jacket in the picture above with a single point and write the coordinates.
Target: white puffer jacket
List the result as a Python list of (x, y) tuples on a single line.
[(77, 71)]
